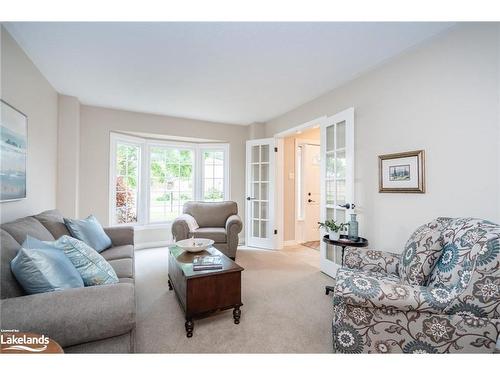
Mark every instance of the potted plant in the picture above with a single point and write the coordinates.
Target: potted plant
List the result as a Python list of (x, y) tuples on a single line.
[(333, 228)]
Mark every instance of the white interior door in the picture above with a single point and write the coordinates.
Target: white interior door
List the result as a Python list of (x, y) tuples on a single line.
[(260, 174), (311, 192), (337, 179)]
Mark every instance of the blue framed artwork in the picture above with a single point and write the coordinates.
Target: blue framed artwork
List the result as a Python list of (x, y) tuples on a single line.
[(13, 153)]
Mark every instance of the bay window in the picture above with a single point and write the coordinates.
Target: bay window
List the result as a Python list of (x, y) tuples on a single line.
[(150, 180)]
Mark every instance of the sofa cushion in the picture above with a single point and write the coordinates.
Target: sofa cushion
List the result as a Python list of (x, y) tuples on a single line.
[(45, 270), (9, 287), (422, 251), (118, 252), (90, 231), (216, 234), (211, 214), (124, 268), (54, 222), (93, 268), (25, 226), (73, 316)]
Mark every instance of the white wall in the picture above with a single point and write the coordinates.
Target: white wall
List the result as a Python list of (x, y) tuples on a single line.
[(24, 87), (95, 126), (442, 97), (68, 172)]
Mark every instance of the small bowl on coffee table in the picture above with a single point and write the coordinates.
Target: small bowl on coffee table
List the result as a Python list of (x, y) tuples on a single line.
[(195, 245)]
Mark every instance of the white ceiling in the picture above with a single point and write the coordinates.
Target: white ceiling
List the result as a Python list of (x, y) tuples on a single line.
[(235, 73)]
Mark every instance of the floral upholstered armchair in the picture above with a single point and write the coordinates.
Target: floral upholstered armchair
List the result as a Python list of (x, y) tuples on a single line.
[(441, 295)]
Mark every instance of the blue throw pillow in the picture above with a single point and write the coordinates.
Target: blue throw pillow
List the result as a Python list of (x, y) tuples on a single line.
[(89, 231), (44, 270), (93, 268)]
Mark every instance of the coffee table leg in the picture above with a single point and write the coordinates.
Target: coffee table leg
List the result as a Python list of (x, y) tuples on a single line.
[(236, 315), (170, 285), (189, 327)]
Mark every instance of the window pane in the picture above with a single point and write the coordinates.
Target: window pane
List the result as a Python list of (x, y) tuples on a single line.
[(171, 182), (126, 184), (213, 183)]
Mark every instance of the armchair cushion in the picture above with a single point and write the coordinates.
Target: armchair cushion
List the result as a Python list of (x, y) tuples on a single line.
[(216, 234), (211, 214), (373, 290), (371, 260), (422, 251)]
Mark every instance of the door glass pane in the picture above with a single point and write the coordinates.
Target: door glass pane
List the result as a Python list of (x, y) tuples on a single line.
[(330, 192), (329, 213), (255, 228), (263, 229), (255, 172), (340, 216), (263, 210), (255, 210), (340, 164), (255, 154), (255, 191), (264, 153), (264, 191), (330, 138), (341, 135), (330, 165), (340, 191), (264, 172)]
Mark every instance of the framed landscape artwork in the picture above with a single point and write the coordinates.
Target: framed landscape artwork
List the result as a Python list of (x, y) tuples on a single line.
[(402, 173), (13, 153)]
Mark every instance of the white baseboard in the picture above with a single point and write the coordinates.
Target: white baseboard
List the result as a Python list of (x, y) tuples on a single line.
[(149, 245)]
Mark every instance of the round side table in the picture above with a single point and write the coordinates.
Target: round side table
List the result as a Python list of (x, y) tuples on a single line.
[(343, 242)]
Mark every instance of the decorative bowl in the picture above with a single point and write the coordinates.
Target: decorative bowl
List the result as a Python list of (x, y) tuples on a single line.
[(195, 245)]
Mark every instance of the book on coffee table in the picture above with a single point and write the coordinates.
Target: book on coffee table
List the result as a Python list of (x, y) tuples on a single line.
[(208, 262)]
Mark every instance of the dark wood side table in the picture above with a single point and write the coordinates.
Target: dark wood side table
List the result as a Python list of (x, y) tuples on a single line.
[(201, 293), (343, 242)]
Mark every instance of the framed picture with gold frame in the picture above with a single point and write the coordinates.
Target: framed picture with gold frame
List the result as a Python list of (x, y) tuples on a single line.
[(403, 172)]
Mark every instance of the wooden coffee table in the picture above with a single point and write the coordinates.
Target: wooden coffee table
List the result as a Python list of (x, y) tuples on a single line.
[(201, 293)]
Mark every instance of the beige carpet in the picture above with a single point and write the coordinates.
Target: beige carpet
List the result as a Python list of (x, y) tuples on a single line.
[(285, 307)]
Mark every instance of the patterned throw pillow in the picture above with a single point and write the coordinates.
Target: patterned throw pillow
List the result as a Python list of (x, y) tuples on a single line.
[(422, 252), (91, 266)]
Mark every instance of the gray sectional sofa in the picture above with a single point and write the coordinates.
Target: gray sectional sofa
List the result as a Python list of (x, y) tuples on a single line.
[(97, 319)]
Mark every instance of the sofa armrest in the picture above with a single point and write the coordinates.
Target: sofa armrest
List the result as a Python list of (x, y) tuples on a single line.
[(234, 224), (371, 260), (372, 291), (73, 316), (183, 226), (121, 235)]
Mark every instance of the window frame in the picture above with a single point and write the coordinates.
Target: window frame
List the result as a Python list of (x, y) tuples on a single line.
[(144, 191)]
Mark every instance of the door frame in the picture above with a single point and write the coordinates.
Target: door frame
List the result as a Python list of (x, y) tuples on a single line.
[(279, 174), (301, 142)]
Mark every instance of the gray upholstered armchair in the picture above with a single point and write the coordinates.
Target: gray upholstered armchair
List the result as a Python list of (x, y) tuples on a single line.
[(218, 221), (442, 295)]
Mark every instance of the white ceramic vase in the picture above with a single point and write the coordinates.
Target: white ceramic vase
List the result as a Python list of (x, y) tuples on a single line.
[(334, 236)]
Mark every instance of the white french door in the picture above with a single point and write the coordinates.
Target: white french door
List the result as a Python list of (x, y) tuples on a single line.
[(337, 179), (260, 173)]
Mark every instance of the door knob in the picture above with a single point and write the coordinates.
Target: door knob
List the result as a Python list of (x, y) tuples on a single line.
[(250, 199), (310, 200), (347, 205)]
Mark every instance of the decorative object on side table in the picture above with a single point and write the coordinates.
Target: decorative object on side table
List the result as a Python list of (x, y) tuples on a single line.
[(343, 242), (333, 228), (195, 245), (402, 172), (207, 263), (353, 228), (13, 153)]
